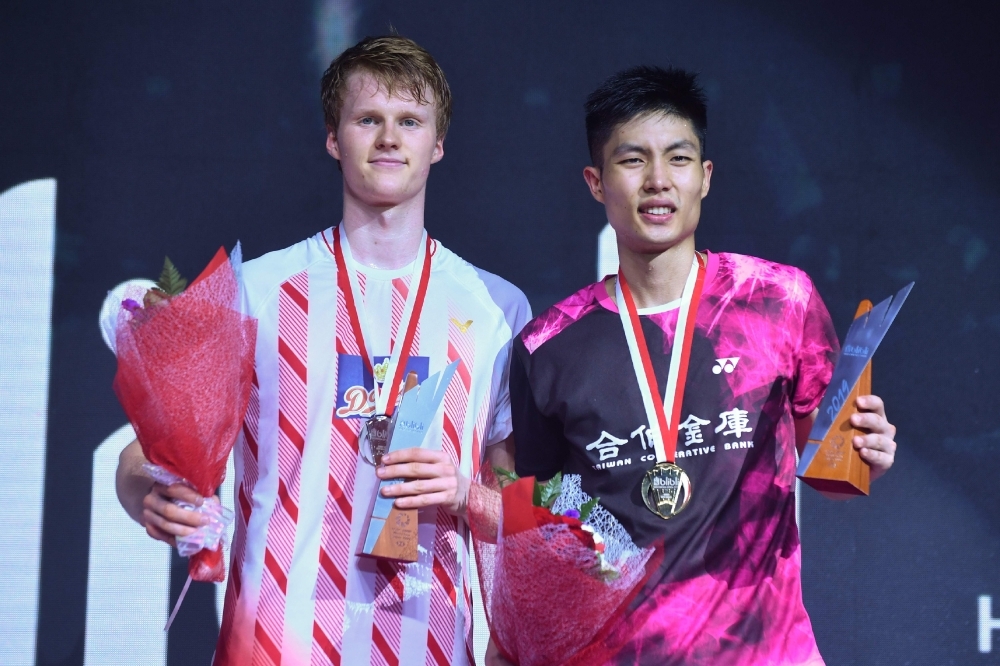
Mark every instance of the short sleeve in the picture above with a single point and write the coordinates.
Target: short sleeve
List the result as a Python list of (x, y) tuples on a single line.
[(517, 313), (540, 448), (814, 358)]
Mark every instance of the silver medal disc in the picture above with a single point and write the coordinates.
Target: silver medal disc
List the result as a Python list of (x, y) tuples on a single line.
[(374, 438)]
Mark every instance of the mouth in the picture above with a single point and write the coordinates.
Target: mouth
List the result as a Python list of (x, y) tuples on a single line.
[(658, 211), (390, 162)]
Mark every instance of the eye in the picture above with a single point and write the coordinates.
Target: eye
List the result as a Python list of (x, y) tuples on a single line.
[(680, 159), (409, 122), (631, 160), (367, 121)]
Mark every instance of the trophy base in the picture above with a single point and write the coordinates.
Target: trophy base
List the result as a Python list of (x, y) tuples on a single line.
[(397, 536)]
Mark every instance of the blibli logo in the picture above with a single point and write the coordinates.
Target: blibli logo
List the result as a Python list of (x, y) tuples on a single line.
[(355, 385), (856, 350)]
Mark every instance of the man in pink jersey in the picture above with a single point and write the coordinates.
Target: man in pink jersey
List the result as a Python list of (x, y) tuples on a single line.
[(731, 354), (340, 315)]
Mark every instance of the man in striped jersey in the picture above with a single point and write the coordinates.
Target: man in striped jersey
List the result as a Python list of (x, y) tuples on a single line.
[(338, 313)]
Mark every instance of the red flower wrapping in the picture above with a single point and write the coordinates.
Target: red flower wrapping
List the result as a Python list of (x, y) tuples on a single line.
[(185, 367), (545, 597)]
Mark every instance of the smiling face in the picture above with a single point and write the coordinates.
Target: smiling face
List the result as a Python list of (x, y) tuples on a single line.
[(385, 144), (652, 183)]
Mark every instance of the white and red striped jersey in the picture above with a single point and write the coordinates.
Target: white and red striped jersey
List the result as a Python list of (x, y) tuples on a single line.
[(297, 594)]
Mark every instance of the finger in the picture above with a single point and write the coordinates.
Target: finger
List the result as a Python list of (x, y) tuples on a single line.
[(180, 492), (151, 518), (160, 535), (421, 501), (878, 460), (169, 511), (875, 442), (421, 487), (414, 455), (871, 403), (873, 422), (416, 470)]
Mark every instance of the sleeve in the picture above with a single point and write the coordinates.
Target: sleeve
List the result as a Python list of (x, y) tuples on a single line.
[(540, 448), (517, 313), (814, 358)]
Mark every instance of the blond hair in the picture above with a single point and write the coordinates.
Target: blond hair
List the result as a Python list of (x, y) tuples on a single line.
[(398, 65)]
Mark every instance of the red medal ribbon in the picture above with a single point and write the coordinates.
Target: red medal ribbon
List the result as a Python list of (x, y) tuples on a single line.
[(667, 434), (343, 280)]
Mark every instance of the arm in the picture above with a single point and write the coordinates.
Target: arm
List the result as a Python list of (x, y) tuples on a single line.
[(151, 504)]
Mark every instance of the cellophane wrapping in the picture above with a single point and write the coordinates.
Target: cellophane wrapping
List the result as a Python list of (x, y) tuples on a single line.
[(549, 599), (185, 367)]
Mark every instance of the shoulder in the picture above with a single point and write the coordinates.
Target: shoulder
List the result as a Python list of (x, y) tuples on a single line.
[(557, 318), (262, 276), (491, 291), (759, 283)]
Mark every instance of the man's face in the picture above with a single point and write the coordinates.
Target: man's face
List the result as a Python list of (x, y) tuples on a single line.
[(652, 182), (385, 145)]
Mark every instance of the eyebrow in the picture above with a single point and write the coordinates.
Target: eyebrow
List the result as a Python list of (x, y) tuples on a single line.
[(623, 148)]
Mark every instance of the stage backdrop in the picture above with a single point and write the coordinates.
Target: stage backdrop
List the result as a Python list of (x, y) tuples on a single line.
[(856, 140)]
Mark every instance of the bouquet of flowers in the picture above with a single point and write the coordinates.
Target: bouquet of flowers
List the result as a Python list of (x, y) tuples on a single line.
[(556, 569), (185, 365)]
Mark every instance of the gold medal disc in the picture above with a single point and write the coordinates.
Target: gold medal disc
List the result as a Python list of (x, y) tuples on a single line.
[(666, 490)]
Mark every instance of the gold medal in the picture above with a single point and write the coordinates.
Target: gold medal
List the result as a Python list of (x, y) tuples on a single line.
[(666, 490), (374, 438)]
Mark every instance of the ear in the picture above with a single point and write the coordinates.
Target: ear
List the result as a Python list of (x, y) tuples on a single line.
[(592, 175), (438, 151), (332, 147), (706, 179)]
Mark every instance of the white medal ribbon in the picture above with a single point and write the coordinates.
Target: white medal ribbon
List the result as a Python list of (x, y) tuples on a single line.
[(652, 432), (382, 392)]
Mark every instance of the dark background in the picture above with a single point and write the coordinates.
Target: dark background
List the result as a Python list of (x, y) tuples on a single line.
[(857, 140)]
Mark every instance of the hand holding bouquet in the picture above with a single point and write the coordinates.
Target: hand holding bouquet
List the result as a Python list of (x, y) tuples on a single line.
[(556, 568), (185, 364)]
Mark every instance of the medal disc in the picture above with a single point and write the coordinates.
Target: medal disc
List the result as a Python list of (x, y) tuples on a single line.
[(666, 490), (374, 438)]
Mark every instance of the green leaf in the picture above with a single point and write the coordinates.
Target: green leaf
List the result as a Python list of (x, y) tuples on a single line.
[(170, 280), (587, 508), (505, 475), (547, 492)]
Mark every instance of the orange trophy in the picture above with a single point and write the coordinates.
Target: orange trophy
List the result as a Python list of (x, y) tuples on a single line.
[(829, 462)]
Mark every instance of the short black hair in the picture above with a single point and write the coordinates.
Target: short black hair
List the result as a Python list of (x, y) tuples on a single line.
[(640, 91)]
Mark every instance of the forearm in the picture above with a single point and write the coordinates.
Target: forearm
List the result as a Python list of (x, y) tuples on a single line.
[(131, 483)]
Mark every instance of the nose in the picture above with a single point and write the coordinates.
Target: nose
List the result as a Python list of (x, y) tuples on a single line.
[(657, 176), (388, 137)]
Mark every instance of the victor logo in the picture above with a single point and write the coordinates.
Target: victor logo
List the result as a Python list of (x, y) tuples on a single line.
[(462, 327), (727, 364)]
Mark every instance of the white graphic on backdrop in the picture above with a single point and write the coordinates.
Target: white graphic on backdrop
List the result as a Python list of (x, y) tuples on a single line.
[(27, 251), (987, 624)]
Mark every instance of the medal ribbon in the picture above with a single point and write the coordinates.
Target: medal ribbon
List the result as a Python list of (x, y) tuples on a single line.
[(663, 417), (385, 400)]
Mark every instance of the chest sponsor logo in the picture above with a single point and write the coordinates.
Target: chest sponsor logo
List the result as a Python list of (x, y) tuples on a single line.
[(355, 385), (462, 327), (612, 451), (727, 365)]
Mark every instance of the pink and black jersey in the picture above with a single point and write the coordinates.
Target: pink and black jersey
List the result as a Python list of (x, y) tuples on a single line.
[(297, 594), (728, 591)]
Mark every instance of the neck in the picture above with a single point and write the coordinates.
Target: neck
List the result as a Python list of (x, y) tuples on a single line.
[(658, 278), (384, 237)]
